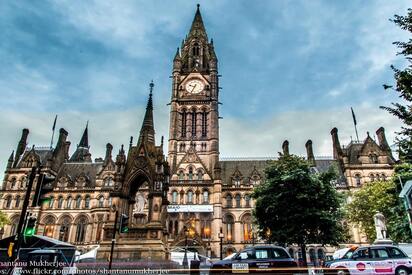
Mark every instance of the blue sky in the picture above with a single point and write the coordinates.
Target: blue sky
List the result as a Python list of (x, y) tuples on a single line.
[(290, 69)]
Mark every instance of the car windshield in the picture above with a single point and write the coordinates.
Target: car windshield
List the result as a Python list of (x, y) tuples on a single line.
[(348, 254)]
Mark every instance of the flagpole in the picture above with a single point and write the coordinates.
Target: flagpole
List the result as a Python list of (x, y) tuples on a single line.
[(53, 130), (355, 123)]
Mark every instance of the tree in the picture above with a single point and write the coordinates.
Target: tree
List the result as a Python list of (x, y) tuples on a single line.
[(3, 219), (403, 79), (298, 206), (382, 196)]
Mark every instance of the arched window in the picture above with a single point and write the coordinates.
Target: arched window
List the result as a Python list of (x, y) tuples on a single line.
[(49, 223), (78, 202), (181, 175), (110, 202), (13, 183), (199, 175), (7, 202), (190, 173), (14, 223), (372, 177), (237, 198), (194, 123), (247, 227), (358, 180), (205, 196), (196, 49), (81, 230), (60, 203), (383, 176), (205, 224), (229, 227), (17, 201), (101, 201), (373, 158), (229, 201), (64, 230), (23, 182), (69, 202), (87, 202), (236, 181), (204, 124), (184, 123), (51, 202), (174, 197), (189, 197), (247, 200)]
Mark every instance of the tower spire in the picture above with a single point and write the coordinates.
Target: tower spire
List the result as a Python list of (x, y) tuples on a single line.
[(82, 153), (147, 132), (198, 28), (84, 141)]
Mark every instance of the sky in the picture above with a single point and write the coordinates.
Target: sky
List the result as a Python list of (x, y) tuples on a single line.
[(290, 70)]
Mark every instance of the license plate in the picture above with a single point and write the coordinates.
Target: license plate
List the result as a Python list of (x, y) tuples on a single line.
[(240, 268)]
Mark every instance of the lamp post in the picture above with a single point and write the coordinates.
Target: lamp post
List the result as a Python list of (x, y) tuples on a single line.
[(221, 236), (185, 255)]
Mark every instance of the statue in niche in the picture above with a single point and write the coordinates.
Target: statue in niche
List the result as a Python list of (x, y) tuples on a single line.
[(139, 204)]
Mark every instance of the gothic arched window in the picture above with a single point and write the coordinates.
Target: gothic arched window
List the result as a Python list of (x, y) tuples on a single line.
[(358, 180), (205, 196), (184, 123), (87, 202), (51, 202), (189, 197), (81, 230), (229, 201), (229, 227), (8, 202), (372, 177), (383, 176), (17, 204), (78, 202), (13, 183), (69, 202), (23, 182), (60, 203), (373, 158), (199, 175), (101, 201), (194, 123), (247, 200), (174, 197), (64, 230), (196, 49), (204, 124), (190, 173), (238, 202), (181, 175), (49, 223), (247, 227)]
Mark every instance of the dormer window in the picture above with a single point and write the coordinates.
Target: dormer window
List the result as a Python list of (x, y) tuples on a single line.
[(373, 158), (199, 175), (196, 49), (181, 175), (190, 173)]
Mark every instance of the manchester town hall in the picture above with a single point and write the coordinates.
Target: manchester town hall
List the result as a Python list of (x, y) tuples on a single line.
[(175, 192)]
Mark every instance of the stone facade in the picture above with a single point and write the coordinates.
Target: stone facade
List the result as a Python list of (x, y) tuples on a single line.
[(192, 197)]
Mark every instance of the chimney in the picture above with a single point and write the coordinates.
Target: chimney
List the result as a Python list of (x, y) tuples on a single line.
[(309, 152), (337, 150), (21, 146), (285, 148), (383, 143)]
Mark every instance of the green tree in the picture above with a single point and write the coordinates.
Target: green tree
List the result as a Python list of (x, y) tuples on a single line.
[(297, 205), (382, 196), (403, 79), (3, 219)]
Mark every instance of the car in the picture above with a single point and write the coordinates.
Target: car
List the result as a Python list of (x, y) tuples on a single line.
[(340, 255), (373, 259), (257, 259)]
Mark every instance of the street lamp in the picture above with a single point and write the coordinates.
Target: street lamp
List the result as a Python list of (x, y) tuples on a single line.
[(221, 236), (185, 255)]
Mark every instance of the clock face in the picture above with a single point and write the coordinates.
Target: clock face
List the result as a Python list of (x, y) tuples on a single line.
[(194, 86)]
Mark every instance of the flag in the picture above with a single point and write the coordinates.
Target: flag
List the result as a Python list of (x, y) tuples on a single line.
[(353, 116), (54, 123)]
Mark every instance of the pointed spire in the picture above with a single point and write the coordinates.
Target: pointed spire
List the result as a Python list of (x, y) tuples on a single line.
[(82, 153), (147, 131), (11, 159), (84, 141), (198, 28), (177, 55)]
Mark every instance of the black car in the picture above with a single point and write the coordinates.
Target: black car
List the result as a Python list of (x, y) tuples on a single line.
[(257, 259)]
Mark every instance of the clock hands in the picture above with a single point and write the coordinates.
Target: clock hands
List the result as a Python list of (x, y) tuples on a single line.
[(193, 87)]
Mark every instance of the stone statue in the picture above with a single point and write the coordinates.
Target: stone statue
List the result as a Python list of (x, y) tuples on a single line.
[(380, 226), (139, 205)]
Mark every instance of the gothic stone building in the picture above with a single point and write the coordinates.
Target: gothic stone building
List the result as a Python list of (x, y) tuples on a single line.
[(193, 194)]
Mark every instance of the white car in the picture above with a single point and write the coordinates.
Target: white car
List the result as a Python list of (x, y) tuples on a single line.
[(374, 259)]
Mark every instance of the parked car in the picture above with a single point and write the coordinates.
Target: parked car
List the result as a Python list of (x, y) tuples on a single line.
[(340, 255), (257, 259), (373, 259)]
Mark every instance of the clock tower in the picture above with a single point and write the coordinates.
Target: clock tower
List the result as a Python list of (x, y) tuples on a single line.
[(194, 126)]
